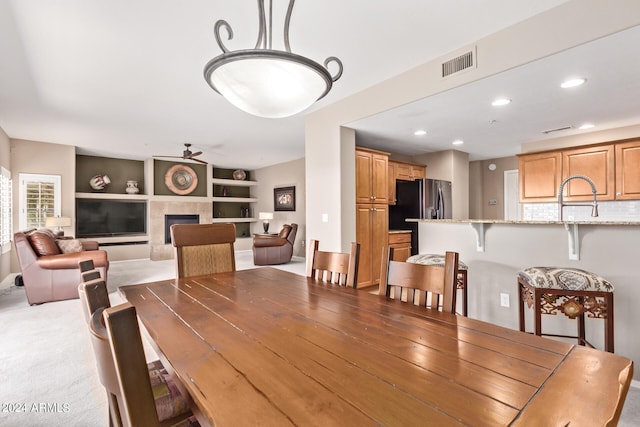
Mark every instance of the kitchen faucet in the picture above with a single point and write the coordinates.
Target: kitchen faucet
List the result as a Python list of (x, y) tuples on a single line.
[(561, 204)]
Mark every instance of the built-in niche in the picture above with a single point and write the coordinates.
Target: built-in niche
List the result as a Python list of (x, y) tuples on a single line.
[(160, 169), (119, 172)]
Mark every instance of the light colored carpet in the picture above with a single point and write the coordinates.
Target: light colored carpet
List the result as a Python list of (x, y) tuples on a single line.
[(47, 369)]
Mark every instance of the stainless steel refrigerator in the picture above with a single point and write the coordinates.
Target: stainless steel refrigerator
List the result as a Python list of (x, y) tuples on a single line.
[(422, 199)]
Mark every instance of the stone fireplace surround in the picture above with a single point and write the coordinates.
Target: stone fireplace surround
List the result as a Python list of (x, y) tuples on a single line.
[(157, 211)]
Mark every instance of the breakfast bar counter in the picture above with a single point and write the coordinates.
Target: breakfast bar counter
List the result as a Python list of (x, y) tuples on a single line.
[(495, 250)]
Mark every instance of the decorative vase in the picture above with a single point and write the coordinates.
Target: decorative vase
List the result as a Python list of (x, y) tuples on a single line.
[(99, 182), (132, 187)]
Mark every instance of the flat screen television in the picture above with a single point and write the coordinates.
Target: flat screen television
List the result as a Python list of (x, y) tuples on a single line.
[(105, 218)]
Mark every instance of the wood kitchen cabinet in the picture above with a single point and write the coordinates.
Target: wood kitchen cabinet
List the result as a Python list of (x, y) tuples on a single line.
[(628, 170), (372, 212), (401, 244), (597, 163), (372, 230), (403, 171), (613, 168), (372, 176), (540, 175), (409, 171), (392, 182)]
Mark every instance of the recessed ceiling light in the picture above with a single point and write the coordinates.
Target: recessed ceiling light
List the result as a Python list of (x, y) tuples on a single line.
[(420, 132), (573, 83), (586, 126), (458, 142), (500, 102)]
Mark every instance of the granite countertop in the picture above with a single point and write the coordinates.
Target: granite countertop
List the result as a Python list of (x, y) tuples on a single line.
[(524, 222)]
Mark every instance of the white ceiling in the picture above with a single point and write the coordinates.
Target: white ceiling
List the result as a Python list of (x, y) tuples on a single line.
[(125, 78), (609, 99)]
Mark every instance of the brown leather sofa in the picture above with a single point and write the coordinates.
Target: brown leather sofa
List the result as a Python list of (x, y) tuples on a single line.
[(48, 273), (270, 250)]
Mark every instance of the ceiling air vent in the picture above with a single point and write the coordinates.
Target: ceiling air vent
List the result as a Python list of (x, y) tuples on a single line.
[(459, 63)]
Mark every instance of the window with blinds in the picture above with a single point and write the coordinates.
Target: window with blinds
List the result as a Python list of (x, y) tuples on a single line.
[(5, 209), (39, 199)]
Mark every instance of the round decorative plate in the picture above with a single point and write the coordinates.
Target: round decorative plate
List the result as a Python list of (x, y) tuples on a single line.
[(181, 179), (239, 175)]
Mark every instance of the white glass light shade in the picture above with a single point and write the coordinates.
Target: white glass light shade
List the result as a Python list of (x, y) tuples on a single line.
[(269, 84), (266, 215)]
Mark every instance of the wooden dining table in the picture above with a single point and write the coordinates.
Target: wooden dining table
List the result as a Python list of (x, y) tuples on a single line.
[(268, 347)]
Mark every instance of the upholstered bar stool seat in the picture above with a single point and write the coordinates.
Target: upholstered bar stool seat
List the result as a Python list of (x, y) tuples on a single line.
[(438, 261), (570, 291)]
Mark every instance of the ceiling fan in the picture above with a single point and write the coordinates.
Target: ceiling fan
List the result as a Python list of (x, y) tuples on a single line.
[(186, 155)]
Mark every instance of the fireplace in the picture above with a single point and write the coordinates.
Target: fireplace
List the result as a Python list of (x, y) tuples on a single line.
[(169, 220)]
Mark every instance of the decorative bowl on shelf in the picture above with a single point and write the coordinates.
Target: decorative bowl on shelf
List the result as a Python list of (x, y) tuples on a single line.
[(239, 175)]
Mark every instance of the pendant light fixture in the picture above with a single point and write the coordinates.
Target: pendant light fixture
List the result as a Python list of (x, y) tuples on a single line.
[(266, 82)]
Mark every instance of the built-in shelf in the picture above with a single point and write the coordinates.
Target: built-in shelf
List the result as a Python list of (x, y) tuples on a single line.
[(224, 220), (179, 199), (233, 182), (153, 198), (235, 199), (232, 200), (112, 196)]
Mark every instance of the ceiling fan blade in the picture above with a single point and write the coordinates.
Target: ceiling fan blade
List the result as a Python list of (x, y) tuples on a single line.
[(200, 161), (197, 153)]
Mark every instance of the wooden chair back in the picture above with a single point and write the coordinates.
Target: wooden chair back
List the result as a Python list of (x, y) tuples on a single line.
[(425, 285), (203, 248), (334, 267), (104, 364), (135, 396), (92, 290)]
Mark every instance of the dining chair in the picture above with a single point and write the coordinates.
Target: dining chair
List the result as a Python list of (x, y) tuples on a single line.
[(334, 267), (98, 296), (141, 394), (203, 248), (428, 286)]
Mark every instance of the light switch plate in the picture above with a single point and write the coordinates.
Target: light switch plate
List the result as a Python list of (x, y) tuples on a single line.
[(504, 300)]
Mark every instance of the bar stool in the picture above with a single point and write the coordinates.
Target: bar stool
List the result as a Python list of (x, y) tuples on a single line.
[(438, 260), (570, 291)]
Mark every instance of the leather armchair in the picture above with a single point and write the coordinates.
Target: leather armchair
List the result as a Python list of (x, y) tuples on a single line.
[(271, 250), (48, 274)]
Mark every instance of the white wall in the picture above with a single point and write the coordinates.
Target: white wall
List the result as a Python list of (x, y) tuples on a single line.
[(49, 159), (282, 175)]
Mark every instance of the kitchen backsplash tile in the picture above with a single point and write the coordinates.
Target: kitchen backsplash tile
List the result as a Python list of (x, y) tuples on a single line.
[(607, 211)]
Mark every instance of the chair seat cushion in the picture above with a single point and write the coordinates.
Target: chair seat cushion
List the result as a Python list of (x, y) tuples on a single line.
[(169, 402), (433, 259), (572, 279)]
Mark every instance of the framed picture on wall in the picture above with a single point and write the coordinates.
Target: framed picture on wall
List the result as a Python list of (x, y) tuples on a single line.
[(284, 199)]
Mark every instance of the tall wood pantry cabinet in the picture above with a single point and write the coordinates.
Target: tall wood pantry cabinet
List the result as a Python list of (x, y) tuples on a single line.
[(372, 212)]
